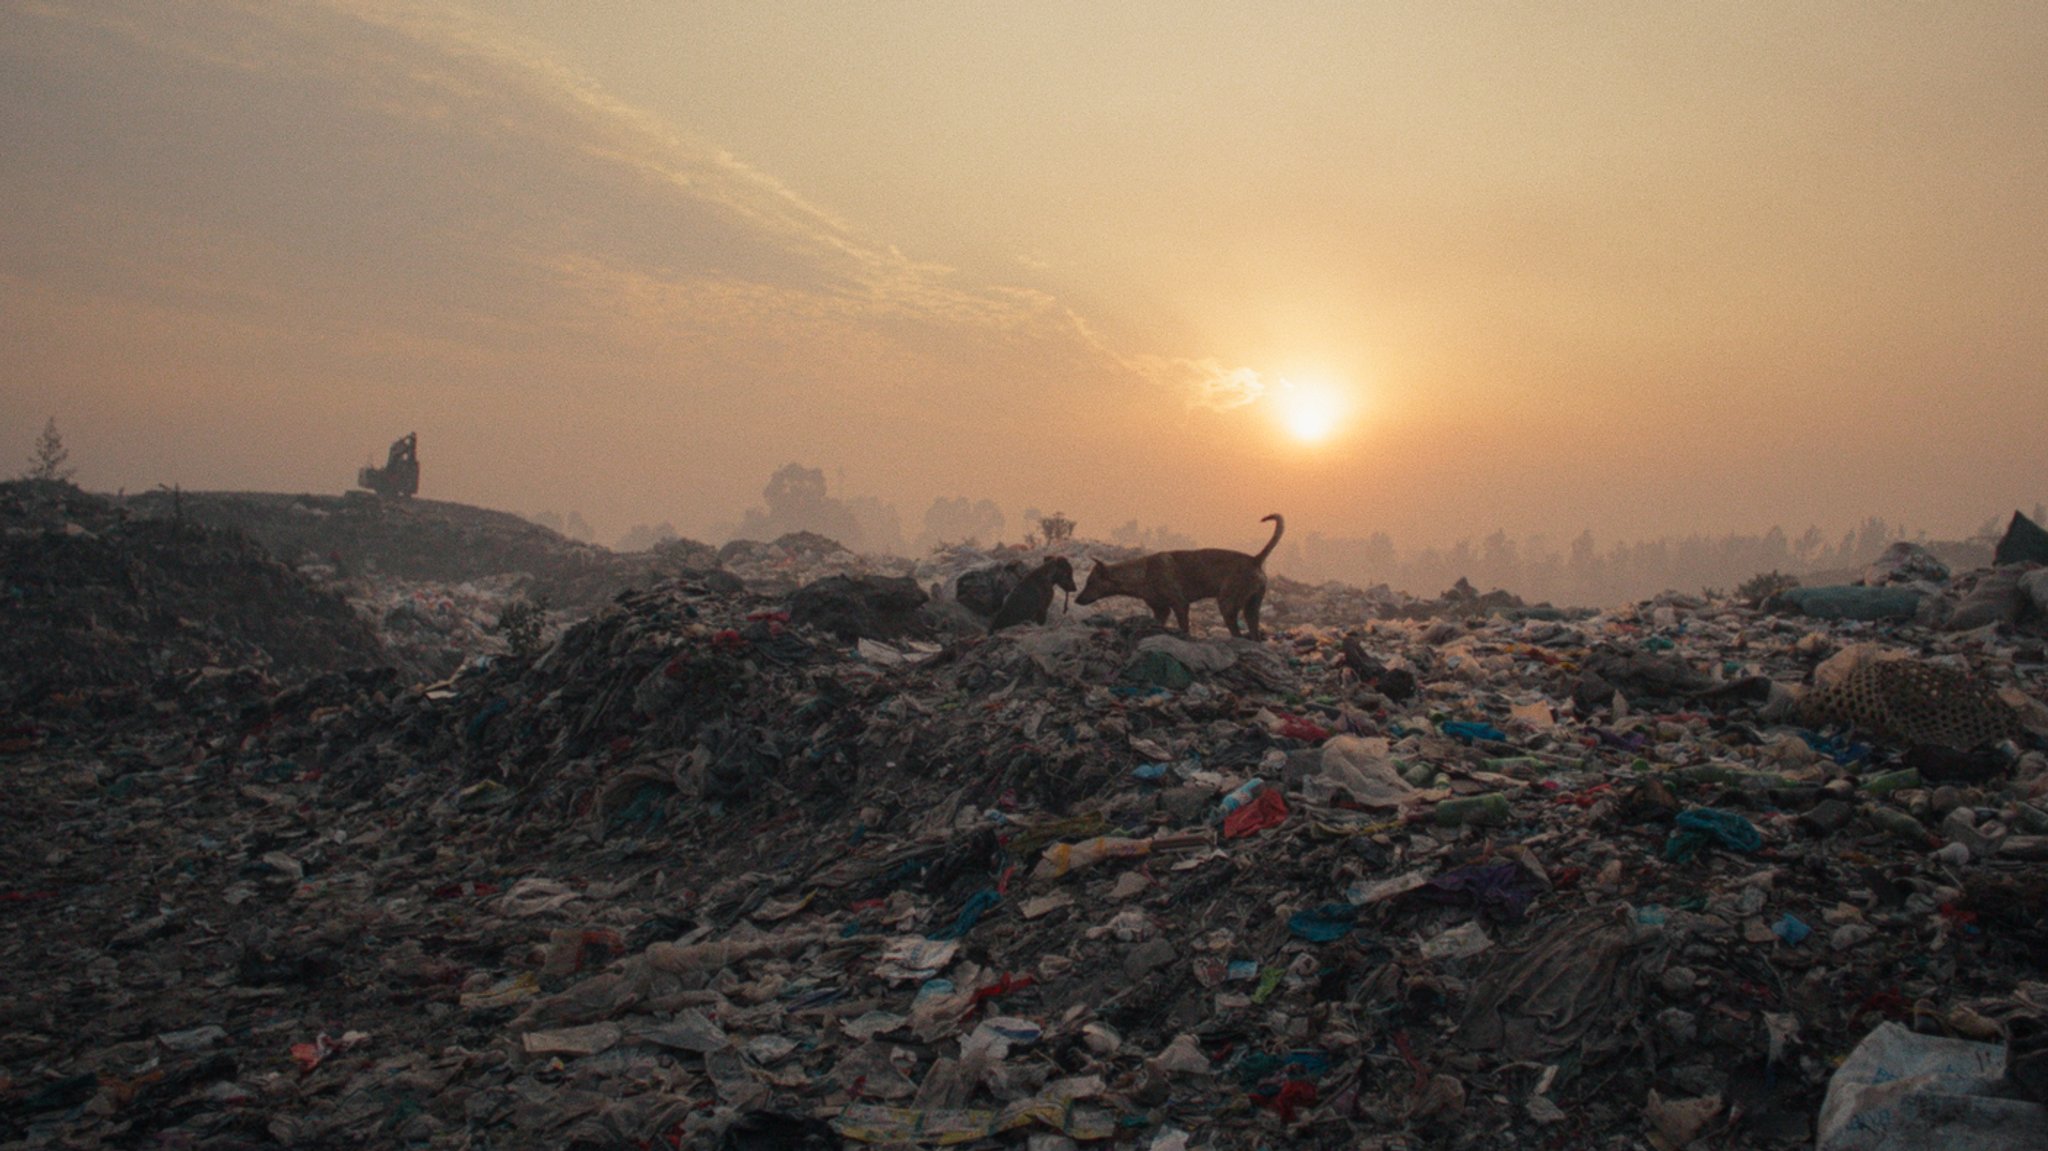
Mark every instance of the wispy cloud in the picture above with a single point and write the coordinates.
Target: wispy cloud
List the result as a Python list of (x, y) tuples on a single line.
[(1204, 383), (402, 128)]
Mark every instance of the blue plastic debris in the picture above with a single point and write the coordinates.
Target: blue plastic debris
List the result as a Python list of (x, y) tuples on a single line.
[(1699, 826), (1465, 731), (976, 904), (1325, 923)]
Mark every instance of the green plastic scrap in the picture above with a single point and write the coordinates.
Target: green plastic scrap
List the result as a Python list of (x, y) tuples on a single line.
[(1267, 982)]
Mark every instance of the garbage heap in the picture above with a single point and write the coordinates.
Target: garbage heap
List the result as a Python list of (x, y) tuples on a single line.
[(723, 869), (98, 608)]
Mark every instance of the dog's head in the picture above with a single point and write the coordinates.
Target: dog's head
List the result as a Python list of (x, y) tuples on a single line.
[(1108, 579), (1060, 571)]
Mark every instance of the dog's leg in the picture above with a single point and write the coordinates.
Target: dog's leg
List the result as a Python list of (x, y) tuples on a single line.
[(1229, 607), (1251, 613)]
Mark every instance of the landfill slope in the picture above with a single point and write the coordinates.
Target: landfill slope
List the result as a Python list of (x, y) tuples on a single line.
[(704, 874), (96, 600), (414, 540)]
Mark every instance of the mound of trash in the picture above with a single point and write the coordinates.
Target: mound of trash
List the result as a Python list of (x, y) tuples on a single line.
[(94, 601), (717, 869), (413, 540)]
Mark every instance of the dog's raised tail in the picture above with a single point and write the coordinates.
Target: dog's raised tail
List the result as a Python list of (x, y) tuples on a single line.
[(1279, 525)]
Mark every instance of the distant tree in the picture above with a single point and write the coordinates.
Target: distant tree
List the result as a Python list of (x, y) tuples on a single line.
[(961, 520), (878, 527), (48, 462), (1159, 539), (1055, 528), (578, 529), (797, 503), (794, 489)]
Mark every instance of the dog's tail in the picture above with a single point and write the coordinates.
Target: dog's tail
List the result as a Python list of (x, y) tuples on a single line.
[(1279, 525)]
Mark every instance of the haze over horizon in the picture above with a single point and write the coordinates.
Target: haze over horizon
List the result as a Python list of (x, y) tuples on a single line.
[(1427, 270)]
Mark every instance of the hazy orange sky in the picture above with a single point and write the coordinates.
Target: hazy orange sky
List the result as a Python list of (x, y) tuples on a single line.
[(1639, 268)]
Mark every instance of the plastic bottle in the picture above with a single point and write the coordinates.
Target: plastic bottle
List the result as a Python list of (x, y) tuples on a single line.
[(1900, 824), (1245, 793), (1491, 809), (1884, 783)]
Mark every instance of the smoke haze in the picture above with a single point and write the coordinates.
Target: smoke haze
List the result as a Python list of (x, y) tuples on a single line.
[(1648, 273)]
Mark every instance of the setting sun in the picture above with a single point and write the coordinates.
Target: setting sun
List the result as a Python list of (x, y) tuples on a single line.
[(1310, 410)]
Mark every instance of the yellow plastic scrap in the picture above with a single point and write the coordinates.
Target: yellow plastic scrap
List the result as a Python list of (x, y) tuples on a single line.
[(503, 993), (1079, 827), (1061, 858)]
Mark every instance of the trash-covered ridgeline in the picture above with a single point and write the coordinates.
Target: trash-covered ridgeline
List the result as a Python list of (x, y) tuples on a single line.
[(97, 606), (830, 867)]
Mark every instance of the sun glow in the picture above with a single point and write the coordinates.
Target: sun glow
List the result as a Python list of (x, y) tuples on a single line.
[(1310, 410)]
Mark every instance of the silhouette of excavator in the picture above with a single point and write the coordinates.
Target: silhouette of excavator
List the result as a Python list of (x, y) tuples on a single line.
[(400, 475)]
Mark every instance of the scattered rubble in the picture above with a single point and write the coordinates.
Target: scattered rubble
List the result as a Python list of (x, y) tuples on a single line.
[(718, 868)]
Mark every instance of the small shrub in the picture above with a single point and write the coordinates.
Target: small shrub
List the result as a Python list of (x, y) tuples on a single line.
[(1763, 585), (521, 623), (51, 457)]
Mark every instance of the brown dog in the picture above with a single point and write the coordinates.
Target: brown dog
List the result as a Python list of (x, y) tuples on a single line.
[(1170, 581), (1032, 597)]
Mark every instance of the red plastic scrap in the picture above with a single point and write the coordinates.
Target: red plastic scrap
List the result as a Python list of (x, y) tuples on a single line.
[(728, 640), (609, 941), (1295, 727), (1292, 1094), (311, 1055), (768, 617), (1888, 1003), (999, 988), (1586, 798), (466, 887), (1268, 809), (1407, 1051)]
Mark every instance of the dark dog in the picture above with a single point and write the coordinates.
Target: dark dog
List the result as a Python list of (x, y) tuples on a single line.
[(1032, 597), (1170, 581), (983, 590)]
